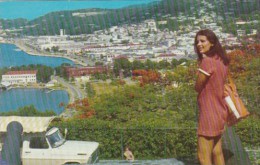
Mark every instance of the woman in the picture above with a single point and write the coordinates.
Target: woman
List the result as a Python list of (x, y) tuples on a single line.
[(212, 73)]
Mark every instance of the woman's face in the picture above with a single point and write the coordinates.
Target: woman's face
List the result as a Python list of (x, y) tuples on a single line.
[(203, 44)]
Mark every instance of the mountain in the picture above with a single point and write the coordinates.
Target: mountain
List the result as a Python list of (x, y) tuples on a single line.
[(86, 21)]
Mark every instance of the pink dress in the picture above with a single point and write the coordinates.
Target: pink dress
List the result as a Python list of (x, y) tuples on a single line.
[(212, 107)]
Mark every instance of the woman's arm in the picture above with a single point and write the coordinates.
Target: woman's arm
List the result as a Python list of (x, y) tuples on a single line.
[(201, 81)]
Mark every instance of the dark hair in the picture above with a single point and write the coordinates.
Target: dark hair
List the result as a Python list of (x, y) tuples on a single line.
[(215, 49)]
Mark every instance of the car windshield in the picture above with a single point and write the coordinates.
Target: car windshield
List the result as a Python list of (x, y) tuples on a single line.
[(56, 139)]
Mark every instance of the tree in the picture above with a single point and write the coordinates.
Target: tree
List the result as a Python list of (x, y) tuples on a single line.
[(83, 107), (164, 65), (137, 65), (183, 60), (90, 90), (147, 76), (61, 70), (150, 64), (55, 48), (44, 74), (28, 111), (174, 63), (237, 58), (122, 64)]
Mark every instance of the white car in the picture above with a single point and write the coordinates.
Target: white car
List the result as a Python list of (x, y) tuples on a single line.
[(50, 148)]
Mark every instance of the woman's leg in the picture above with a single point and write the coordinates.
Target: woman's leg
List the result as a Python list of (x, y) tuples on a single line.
[(218, 157), (205, 147)]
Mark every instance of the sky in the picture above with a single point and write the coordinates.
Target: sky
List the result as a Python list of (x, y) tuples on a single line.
[(33, 9)]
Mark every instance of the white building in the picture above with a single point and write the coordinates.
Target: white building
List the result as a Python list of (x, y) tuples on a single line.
[(164, 57), (253, 31), (151, 24), (241, 32), (20, 77)]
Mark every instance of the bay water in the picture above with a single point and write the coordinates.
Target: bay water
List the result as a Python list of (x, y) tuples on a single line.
[(41, 99), (11, 56)]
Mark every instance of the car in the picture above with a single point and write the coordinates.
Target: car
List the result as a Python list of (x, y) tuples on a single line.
[(50, 147)]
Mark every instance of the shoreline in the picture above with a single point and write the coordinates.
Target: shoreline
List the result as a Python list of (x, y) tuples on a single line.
[(67, 112), (32, 52)]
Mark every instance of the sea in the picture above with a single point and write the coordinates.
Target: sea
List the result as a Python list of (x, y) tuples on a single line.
[(41, 99), (11, 55), (33, 8)]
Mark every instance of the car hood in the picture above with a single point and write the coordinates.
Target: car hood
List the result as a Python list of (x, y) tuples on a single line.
[(78, 147)]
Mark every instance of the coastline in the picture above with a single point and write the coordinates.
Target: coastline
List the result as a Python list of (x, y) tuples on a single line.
[(33, 52), (67, 112)]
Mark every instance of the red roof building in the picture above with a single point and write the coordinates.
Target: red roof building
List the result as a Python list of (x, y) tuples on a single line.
[(77, 72), (21, 72)]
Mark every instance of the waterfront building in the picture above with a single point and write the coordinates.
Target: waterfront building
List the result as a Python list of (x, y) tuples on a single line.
[(19, 77)]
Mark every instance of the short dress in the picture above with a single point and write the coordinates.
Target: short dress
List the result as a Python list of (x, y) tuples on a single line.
[(212, 107)]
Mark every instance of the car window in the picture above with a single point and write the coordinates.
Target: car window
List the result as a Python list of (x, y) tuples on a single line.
[(38, 142)]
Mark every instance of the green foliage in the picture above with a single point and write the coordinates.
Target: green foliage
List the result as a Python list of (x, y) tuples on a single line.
[(137, 65), (55, 48), (150, 64), (28, 111), (3, 71), (61, 71), (100, 76), (125, 103), (249, 130), (44, 74), (89, 89), (146, 143), (164, 64), (122, 65)]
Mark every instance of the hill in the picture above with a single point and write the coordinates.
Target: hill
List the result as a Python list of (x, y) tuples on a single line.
[(88, 20)]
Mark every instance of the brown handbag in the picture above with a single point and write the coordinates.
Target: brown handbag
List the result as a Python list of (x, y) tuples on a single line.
[(237, 109)]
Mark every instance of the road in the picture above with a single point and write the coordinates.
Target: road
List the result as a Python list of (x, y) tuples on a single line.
[(74, 92)]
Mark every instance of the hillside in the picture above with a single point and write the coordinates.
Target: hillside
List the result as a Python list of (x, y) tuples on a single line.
[(88, 20)]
